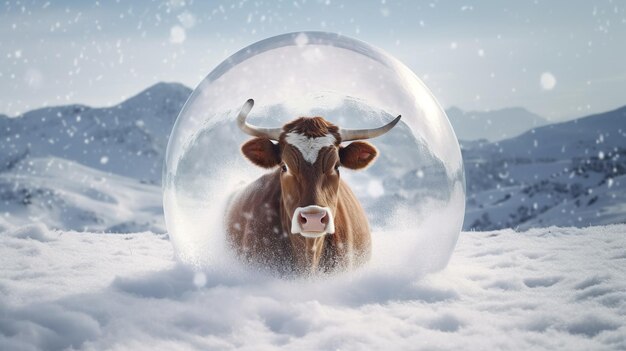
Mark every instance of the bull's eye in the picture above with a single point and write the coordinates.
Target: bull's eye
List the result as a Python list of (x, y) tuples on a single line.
[(283, 168)]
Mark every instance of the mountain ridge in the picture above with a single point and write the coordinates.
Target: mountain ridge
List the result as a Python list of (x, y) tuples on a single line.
[(105, 138), (568, 173), (492, 125), (575, 167)]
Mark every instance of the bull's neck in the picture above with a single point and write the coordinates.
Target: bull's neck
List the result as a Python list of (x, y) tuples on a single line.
[(306, 251)]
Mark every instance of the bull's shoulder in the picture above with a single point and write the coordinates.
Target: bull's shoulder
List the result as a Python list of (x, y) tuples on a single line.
[(254, 226), (255, 210), (349, 202), (264, 191)]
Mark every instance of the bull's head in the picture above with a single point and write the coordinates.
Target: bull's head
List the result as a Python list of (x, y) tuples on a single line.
[(309, 154)]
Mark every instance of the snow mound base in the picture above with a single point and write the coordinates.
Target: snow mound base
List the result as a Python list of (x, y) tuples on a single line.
[(554, 288), (36, 231)]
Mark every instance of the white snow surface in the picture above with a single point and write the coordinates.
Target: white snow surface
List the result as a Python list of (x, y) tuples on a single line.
[(64, 194), (548, 288)]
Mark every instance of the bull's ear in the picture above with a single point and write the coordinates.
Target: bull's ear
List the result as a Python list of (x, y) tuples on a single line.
[(262, 152), (357, 155)]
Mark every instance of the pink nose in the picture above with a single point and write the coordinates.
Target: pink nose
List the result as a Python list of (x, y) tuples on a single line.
[(313, 222)]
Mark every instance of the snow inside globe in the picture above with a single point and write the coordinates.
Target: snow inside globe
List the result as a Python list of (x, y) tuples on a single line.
[(232, 166)]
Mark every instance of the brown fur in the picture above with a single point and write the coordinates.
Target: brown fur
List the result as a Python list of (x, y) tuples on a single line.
[(313, 127), (262, 152), (357, 155), (259, 217)]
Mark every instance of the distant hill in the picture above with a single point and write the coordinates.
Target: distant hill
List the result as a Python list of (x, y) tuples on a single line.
[(128, 139), (64, 194), (83, 168), (582, 137), (493, 125), (568, 174)]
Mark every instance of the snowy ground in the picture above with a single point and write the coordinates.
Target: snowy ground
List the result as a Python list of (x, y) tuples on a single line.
[(65, 194), (548, 288)]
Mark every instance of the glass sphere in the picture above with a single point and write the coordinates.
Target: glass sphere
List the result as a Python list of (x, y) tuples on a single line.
[(413, 194)]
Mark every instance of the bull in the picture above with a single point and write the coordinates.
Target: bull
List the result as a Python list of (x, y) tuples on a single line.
[(302, 217)]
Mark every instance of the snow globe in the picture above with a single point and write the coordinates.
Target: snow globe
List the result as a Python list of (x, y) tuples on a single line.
[(413, 194)]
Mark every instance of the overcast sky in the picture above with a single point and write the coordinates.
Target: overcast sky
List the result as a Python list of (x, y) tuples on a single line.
[(560, 59)]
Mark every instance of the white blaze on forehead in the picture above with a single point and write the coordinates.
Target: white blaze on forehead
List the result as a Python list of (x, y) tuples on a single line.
[(309, 147)]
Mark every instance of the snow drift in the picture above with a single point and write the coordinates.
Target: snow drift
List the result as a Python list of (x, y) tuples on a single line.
[(554, 288)]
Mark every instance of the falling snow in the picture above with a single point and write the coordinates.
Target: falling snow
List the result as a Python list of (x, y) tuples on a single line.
[(548, 81), (87, 156), (177, 34)]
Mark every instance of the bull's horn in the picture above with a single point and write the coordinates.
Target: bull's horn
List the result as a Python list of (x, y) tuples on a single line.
[(356, 134), (270, 133)]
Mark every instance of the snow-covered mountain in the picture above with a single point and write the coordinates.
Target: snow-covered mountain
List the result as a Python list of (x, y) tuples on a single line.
[(67, 195), (81, 168), (493, 125), (571, 173), (128, 139)]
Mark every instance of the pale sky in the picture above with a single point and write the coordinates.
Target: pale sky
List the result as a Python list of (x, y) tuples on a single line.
[(559, 59)]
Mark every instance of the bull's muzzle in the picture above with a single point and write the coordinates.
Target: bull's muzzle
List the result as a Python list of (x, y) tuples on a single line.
[(312, 221)]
